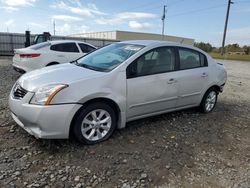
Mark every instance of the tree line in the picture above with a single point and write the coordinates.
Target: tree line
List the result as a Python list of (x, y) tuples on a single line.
[(207, 47)]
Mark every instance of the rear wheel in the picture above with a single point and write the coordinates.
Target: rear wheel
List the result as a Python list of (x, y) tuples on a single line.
[(95, 123), (209, 100)]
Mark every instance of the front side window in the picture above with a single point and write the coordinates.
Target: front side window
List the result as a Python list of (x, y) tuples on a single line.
[(191, 59), (65, 47), (107, 58), (156, 61)]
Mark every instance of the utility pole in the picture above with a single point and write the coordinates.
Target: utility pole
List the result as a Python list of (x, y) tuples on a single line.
[(54, 27), (225, 28), (163, 20)]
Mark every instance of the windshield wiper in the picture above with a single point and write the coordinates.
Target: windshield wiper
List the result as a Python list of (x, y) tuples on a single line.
[(74, 62), (90, 67)]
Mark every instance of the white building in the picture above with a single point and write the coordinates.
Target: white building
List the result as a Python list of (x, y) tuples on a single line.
[(127, 35)]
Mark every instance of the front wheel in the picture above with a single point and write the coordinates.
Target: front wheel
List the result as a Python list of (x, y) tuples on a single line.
[(209, 100), (95, 123)]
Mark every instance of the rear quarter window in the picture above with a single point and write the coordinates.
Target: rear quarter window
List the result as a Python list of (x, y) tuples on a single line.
[(191, 59), (203, 60)]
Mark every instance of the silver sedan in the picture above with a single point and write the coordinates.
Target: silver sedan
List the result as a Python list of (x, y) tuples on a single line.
[(92, 96)]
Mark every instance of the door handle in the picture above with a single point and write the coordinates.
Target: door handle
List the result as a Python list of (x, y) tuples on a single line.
[(171, 81), (204, 74), (60, 56)]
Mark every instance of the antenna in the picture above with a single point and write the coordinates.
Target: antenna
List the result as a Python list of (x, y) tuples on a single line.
[(54, 27)]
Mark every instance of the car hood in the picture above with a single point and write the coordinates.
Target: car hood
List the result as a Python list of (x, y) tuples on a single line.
[(56, 74)]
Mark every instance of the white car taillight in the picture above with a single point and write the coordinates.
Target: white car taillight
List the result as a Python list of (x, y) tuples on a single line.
[(29, 55)]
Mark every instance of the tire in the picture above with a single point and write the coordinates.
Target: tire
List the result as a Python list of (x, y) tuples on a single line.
[(95, 123), (209, 100)]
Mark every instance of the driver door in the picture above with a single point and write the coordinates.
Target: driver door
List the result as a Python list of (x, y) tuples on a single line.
[(151, 83)]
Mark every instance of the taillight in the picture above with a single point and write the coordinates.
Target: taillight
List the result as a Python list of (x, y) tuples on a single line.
[(29, 55)]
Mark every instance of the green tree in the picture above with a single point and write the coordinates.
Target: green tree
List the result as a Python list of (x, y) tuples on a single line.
[(246, 49), (207, 47), (233, 47)]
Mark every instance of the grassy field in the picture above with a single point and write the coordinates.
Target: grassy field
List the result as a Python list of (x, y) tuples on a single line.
[(231, 57)]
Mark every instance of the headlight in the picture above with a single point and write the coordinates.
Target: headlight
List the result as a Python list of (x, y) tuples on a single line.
[(44, 95)]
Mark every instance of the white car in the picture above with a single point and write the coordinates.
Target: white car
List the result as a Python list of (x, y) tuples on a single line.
[(125, 81), (49, 53)]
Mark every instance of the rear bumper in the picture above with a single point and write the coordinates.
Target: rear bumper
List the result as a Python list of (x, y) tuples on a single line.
[(25, 65), (22, 67), (20, 70)]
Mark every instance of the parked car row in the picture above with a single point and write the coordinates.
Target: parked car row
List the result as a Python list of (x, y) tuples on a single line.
[(92, 96)]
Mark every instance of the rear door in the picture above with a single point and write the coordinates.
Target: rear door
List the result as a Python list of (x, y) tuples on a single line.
[(193, 76), (151, 83), (65, 52)]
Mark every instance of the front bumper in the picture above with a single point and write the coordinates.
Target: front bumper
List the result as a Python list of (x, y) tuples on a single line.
[(47, 122)]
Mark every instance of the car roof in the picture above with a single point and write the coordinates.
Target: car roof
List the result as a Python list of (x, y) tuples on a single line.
[(63, 41), (66, 41), (148, 42), (161, 43)]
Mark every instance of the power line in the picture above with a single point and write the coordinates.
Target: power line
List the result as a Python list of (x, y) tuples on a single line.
[(175, 2), (246, 1), (198, 10), (169, 5), (143, 5), (151, 8)]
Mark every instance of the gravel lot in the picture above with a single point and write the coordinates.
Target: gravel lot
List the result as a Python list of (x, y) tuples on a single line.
[(181, 149)]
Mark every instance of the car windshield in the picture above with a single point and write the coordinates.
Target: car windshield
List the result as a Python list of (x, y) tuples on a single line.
[(107, 58)]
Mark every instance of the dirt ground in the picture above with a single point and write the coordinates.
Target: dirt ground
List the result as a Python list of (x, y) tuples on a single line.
[(180, 149)]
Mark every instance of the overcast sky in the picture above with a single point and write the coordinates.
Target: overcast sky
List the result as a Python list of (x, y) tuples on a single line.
[(202, 20)]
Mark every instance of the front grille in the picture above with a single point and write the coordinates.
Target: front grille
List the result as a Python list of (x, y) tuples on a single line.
[(19, 92)]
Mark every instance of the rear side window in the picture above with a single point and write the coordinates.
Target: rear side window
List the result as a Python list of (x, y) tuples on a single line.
[(65, 47), (86, 48), (191, 59)]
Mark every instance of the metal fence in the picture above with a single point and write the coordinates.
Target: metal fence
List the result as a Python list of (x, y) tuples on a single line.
[(11, 41)]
